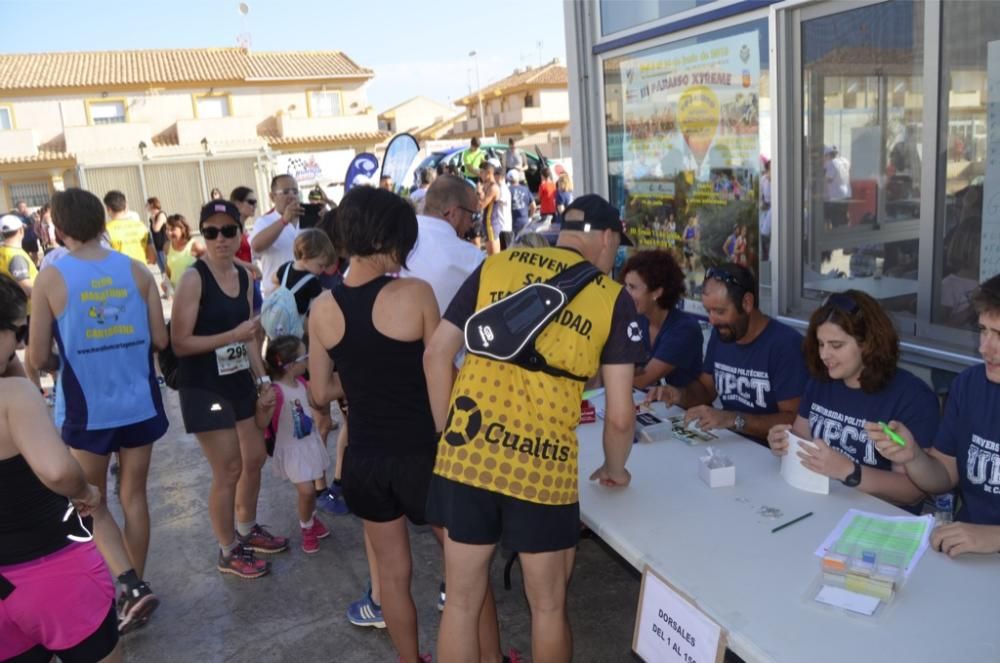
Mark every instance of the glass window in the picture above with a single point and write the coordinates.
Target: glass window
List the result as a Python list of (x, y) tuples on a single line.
[(862, 120), (107, 112), (969, 172), (212, 107), (618, 15), (688, 132), (6, 121), (34, 194), (325, 104)]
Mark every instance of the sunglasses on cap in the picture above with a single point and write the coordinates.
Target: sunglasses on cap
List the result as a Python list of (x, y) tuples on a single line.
[(212, 232), (842, 302), (20, 331)]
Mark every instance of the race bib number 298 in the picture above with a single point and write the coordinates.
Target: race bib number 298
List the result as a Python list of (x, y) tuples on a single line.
[(232, 358)]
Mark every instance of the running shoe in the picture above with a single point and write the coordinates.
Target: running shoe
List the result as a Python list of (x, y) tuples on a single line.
[(242, 562), (332, 502), (310, 542), (514, 656), (441, 597), (319, 529), (365, 612), (135, 607), (262, 541)]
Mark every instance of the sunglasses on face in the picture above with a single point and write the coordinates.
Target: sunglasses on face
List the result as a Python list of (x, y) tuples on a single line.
[(20, 331), (212, 232), (476, 215), (251, 201)]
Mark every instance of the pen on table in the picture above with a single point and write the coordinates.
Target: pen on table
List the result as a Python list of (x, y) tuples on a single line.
[(791, 522), (893, 435)]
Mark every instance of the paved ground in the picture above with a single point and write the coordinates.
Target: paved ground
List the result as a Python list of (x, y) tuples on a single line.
[(297, 613)]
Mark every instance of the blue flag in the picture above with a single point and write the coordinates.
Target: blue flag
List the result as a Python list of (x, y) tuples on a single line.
[(398, 159), (364, 165)]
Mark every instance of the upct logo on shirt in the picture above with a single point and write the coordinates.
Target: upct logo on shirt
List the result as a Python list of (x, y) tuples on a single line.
[(840, 430), (742, 385), (634, 332), (983, 464)]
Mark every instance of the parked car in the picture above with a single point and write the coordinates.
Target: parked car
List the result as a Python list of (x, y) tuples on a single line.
[(453, 157)]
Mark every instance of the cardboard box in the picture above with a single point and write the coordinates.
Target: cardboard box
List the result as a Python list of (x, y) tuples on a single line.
[(719, 477)]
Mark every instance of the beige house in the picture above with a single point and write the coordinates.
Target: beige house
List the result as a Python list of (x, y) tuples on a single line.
[(531, 106), (419, 116), (175, 123)]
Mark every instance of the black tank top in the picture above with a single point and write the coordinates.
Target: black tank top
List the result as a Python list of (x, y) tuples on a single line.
[(32, 516), (389, 412), (217, 313)]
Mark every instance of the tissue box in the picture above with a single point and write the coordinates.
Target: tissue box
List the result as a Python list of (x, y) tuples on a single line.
[(718, 477)]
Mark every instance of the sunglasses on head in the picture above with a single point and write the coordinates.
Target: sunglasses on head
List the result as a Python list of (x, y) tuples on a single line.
[(727, 277), (212, 232), (842, 302), (20, 331)]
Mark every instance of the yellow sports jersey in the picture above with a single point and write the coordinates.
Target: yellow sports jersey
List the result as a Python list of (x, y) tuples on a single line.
[(511, 430), (28, 271), (129, 236)]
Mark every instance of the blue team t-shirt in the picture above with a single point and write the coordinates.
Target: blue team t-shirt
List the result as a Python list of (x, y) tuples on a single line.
[(678, 343), (970, 432), (520, 205), (837, 414), (753, 378)]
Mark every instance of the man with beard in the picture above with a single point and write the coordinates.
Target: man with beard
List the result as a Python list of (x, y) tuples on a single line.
[(753, 364)]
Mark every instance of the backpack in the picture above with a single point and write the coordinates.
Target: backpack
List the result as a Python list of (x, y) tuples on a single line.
[(506, 330), (280, 314), (271, 432)]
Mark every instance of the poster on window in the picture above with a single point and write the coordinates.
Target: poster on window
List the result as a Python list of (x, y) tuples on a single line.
[(691, 152)]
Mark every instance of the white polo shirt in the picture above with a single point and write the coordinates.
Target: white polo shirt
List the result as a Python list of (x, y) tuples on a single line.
[(276, 255), (441, 258)]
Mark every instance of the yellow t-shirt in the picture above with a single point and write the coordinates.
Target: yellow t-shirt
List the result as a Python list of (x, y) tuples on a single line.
[(179, 261), (7, 255), (129, 236), (513, 431)]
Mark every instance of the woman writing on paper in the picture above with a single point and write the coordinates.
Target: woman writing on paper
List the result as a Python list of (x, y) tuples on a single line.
[(852, 350)]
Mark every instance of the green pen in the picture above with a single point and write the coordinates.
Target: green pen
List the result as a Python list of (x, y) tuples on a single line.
[(893, 435)]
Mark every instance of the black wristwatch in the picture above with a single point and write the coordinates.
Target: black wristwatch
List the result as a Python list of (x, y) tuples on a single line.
[(854, 478)]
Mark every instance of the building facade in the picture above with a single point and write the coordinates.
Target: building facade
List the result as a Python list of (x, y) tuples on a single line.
[(418, 116), (531, 106), (850, 145), (175, 123)]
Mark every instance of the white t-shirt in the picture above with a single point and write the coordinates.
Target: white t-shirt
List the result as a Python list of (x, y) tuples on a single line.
[(838, 178), (276, 255), (441, 258), (418, 198)]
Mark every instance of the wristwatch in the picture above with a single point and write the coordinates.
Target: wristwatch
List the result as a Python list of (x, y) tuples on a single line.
[(854, 478), (739, 423)]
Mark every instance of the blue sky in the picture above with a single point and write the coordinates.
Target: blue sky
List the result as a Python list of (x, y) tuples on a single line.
[(414, 46)]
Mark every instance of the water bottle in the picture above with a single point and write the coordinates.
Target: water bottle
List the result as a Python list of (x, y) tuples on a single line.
[(944, 508)]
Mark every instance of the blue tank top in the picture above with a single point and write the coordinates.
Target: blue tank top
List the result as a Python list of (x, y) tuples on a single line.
[(106, 379)]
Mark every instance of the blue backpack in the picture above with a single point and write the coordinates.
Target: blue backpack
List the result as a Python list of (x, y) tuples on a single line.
[(280, 315)]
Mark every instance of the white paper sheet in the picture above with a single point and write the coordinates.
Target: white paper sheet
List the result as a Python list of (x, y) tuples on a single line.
[(851, 514), (841, 598), (797, 475)]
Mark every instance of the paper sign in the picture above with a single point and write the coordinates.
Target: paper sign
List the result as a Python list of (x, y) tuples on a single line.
[(841, 598), (796, 474), (670, 629)]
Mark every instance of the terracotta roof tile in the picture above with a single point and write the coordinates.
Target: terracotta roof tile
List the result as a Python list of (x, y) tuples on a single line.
[(149, 67), (41, 156), (345, 138), (552, 74)]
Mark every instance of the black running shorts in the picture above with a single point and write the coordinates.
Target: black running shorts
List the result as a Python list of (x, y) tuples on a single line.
[(481, 517), (381, 488)]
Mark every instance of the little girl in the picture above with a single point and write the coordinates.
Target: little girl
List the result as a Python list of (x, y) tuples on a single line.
[(299, 455)]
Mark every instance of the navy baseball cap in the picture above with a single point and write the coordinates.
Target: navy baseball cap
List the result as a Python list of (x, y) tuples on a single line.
[(214, 207), (598, 214)]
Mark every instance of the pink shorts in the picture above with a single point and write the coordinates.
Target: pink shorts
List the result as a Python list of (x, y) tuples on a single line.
[(58, 600)]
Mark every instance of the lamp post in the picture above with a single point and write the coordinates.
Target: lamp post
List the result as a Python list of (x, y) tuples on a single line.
[(479, 94)]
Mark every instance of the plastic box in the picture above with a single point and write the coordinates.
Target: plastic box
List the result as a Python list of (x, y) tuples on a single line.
[(717, 477)]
